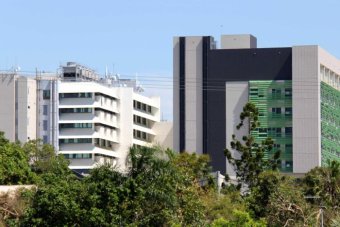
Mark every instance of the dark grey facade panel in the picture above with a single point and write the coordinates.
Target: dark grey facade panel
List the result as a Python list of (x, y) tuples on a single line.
[(235, 65), (250, 64), (206, 48), (181, 94)]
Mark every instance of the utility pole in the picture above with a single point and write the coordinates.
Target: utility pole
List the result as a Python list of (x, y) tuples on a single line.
[(321, 207)]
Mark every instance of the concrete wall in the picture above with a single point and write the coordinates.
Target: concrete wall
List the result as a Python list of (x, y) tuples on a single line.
[(126, 124), (27, 109), (236, 98), (238, 41), (7, 105), (193, 95), (164, 134), (12, 189), (306, 109), (176, 122)]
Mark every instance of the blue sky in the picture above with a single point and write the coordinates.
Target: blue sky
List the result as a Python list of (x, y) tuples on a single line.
[(135, 37)]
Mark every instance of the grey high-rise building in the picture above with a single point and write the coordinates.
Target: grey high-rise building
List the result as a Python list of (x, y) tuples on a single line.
[(296, 90)]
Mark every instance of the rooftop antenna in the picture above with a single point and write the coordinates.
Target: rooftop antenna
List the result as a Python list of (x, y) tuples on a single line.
[(106, 72), (16, 68)]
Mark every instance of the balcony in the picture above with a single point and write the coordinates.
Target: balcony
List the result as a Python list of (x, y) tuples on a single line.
[(74, 102), (100, 160), (106, 133), (90, 163), (87, 163), (68, 147), (87, 148), (76, 132), (75, 117), (106, 118), (106, 103)]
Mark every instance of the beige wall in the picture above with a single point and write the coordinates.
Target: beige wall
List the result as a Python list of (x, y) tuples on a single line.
[(164, 134), (236, 99), (176, 119), (21, 92), (306, 109), (26, 97), (238, 41), (193, 95), (7, 105)]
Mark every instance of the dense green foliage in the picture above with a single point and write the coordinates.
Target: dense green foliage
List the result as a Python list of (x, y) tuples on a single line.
[(159, 188), (14, 167)]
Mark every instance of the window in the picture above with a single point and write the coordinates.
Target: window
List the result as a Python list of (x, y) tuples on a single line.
[(45, 125), (276, 91), (46, 94), (75, 110), (289, 164), (45, 109), (45, 139), (288, 111), (87, 155), (75, 95), (262, 130), (69, 75), (276, 110), (289, 146), (142, 106), (76, 125), (288, 92), (78, 156), (277, 146), (76, 140), (288, 130), (278, 132)]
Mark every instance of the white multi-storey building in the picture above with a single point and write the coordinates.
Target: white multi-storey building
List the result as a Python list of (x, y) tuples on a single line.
[(88, 119)]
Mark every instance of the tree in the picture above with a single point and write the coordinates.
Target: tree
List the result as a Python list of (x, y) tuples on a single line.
[(222, 205), (251, 163), (260, 194), (241, 218), (288, 207), (154, 191), (321, 186), (43, 158), (56, 202), (324, 182), (195, 167), (14, 166)]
